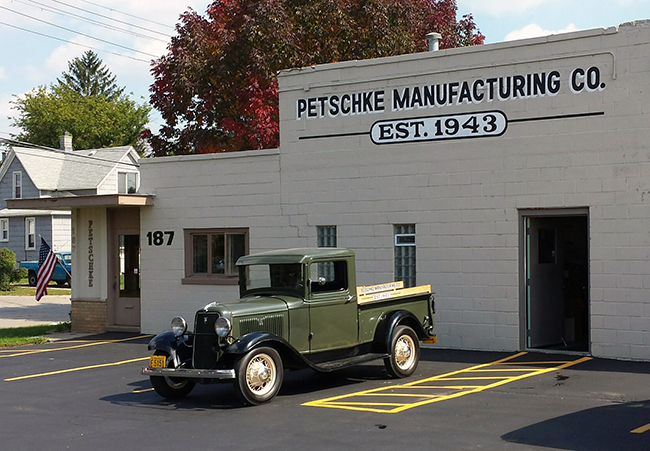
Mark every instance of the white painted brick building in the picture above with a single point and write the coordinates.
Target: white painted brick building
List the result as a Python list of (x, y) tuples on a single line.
[(532, 229)]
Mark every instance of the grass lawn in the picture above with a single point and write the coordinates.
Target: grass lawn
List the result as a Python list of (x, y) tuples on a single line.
[(18, 336), (22, 288)]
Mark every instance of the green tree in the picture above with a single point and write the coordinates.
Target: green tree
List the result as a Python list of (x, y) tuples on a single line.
[(90, 78), (216, 88), (8, 271), (96, 112)]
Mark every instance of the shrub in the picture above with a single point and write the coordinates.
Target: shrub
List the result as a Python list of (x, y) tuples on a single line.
[(8, 271)]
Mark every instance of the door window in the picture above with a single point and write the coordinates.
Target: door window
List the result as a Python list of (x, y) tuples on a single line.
[(129, 252)]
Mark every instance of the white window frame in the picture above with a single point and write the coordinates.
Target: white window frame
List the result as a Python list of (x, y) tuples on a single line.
[(122, 182), (29, 232), (4, 230), (17, 185)]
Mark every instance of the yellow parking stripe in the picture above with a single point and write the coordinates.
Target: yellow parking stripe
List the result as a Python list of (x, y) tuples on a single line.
[(71, 370), (144, 390), (90, 343), (641, 430), (435, 389)]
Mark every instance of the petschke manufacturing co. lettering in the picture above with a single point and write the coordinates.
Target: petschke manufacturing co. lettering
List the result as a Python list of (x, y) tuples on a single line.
[(440, 95)]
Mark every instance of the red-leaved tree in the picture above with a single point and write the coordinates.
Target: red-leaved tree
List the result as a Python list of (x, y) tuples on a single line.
[(216, 88)]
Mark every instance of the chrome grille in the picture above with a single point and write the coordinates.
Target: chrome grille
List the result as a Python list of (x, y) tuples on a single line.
[(267, 323)]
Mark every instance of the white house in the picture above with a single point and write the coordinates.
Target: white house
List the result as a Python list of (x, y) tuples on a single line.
[(33, 172)]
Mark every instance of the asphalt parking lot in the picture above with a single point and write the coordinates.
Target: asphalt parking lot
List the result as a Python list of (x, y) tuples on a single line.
[(87, 394)]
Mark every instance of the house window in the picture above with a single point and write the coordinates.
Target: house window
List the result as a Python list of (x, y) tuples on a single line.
[(405, 254), (4, 229), (211, 254), (127, 182), (326, 236), (18, 185), (30, 233)]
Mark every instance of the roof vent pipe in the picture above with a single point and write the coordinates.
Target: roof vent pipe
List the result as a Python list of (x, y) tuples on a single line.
[(434, 39)]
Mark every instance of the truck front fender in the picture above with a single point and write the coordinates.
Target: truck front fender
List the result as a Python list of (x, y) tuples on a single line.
[(179, 348), (290, 355), (385, 328)]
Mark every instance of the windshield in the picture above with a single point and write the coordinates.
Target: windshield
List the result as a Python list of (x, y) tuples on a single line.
[(273, 278)]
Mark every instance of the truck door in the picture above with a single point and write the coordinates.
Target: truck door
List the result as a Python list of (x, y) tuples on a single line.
[(333, 314)]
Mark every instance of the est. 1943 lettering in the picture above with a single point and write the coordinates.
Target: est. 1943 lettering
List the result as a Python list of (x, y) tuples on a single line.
[(459, 126), (158, 238)]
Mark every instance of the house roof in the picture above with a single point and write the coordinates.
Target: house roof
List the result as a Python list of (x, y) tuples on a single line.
[(57, 170)]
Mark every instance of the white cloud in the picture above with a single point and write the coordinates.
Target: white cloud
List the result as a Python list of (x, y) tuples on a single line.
[(533, 30), (502, 7)]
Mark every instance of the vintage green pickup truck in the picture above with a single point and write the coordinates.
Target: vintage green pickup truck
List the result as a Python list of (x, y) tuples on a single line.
[(298, 308)]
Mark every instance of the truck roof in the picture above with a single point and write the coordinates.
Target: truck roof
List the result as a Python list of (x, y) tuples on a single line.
[(295, 255)]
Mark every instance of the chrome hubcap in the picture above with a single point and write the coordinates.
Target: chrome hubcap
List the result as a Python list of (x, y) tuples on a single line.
[(404, 352), (260, 374)]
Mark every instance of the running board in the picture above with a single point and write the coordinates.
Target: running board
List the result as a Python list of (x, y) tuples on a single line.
[(349, 361)]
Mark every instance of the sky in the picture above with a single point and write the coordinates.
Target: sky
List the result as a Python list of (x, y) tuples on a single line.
[(39, 37)]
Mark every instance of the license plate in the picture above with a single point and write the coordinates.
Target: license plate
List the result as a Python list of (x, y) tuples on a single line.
[(431, 340), (157, 361)]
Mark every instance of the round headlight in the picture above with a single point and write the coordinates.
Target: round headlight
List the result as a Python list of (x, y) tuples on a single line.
[(222, 326), (179, 326)]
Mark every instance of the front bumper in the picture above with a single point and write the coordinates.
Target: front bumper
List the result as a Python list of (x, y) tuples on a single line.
[(189, 373)]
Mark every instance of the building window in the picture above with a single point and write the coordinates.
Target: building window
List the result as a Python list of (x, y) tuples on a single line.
[(18, 185), (127, 182), (4, 229), (211, 255), (326, 236), (30, 233), (405, 254)]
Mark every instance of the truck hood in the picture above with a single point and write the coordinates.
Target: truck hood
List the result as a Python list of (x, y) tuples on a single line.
[(255, 305)]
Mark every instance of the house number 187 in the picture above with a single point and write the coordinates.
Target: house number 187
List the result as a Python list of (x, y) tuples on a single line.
[(157, 238)]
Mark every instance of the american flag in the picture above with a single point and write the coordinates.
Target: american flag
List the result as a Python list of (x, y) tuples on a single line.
[(46, 265)]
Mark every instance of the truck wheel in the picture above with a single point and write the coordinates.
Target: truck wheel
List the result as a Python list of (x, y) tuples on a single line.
[(171, 387), (31, 278), (259, 376), (404, 352)]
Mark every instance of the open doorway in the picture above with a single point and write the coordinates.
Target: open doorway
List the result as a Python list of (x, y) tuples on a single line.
[(556, 281)]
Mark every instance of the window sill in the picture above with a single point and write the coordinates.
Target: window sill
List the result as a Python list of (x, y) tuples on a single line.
[(197, 280)]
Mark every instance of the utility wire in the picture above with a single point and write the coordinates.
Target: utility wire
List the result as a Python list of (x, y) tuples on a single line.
[(75, 43), (76, 32), (59, 11), (110, 18), (129, 15)]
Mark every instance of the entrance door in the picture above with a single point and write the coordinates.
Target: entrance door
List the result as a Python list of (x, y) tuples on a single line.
[(124, 269), (127, 285), (556, 265)]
